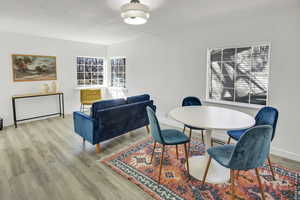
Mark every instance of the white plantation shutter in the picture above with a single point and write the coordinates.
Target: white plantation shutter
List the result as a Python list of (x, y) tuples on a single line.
[(118, 72), (239, 74), (90, 71)]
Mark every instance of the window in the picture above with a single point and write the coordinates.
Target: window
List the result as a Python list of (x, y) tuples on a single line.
[(239, 75), (118, 72), (90, 71)]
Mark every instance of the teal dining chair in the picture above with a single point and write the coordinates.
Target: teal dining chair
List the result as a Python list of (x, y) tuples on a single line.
[(250, 152), (192, 101), (265, 116), (166, 137)]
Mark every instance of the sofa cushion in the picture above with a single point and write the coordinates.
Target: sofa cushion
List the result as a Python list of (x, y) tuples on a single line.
[(103, 104), (138, 98)]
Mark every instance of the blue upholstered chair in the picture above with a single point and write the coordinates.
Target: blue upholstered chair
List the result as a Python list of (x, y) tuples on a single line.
[(265, 116), (192, 101), (250, 152), (166, 137)]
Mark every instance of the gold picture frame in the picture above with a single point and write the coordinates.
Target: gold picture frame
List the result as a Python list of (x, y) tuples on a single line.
[(33, 67)]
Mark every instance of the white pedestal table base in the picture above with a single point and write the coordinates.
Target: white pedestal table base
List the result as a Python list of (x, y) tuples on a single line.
[(216, 173)]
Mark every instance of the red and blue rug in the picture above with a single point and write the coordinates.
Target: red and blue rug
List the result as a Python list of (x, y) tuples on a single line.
[(134, 164)]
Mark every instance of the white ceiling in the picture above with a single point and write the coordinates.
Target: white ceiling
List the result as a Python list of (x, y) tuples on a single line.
[(99, 21)]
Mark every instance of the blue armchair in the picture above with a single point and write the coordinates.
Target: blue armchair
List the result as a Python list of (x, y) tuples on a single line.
[(265, 116), (112, 118), (250, 152)]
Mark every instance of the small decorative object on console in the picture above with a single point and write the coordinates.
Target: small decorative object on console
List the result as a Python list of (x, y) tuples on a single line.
[(54, 86), (45, 88)]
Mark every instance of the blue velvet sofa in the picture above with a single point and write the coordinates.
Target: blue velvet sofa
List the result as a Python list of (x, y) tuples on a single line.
[(112, 118)]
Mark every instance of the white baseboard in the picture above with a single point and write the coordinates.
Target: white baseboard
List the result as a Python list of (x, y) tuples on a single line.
[(222, 136), (285, 154)]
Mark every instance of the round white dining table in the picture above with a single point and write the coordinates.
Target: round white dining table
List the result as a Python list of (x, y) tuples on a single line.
[(210, 118)]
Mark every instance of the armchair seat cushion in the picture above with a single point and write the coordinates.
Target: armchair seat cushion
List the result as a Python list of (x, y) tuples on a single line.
[(172, 137), (89, 102), (236, 134), (222, 154)]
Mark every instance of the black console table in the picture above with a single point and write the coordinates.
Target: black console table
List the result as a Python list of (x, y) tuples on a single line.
[(23, 96)]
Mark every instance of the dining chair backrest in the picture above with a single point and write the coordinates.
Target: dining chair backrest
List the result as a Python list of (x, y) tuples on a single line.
[(267, 116), (252, 149), (154, 126), (191, 101)]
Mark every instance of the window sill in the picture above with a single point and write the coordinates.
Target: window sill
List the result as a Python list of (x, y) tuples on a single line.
[(117, 87), (243, 105), (90, 87), (99, 87)]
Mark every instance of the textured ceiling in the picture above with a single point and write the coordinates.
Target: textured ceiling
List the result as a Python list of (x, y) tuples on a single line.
[(99, 21)]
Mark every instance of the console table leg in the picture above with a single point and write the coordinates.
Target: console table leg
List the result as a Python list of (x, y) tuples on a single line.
[(59, 99), (14, 112), (63, 105)]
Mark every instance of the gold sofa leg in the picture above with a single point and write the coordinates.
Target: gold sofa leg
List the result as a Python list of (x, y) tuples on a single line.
[(98, 148)]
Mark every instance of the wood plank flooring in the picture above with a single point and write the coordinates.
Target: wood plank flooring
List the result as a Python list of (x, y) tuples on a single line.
[(44, 160)]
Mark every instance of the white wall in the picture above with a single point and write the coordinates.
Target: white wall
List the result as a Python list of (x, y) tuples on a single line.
[(173, 65), (65, 52)]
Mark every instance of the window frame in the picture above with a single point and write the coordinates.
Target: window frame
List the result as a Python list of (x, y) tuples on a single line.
[(234, 103), (104, 84), (110, 72)]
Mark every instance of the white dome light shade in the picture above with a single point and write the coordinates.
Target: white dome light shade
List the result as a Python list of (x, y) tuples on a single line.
[(135, 17), (135, 13), (135, 21)]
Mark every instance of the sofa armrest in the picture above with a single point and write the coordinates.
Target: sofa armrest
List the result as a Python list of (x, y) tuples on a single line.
[(84, 126)]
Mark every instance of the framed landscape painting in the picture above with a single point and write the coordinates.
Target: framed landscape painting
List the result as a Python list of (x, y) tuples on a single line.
[(33, 67)]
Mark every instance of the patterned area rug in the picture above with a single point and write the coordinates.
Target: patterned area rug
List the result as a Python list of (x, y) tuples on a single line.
[(134, 164)]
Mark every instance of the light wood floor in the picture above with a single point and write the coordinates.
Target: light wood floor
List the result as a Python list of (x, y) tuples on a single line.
[(44, 159)]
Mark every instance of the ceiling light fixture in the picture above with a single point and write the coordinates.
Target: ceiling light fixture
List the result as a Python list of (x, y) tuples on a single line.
[(135, 13)]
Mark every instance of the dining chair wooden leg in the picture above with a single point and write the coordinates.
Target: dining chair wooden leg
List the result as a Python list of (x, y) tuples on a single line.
[(238, 174), (148, 130), (206, 170), (190, 137), (154, 146), (202, 136), (161, 162), (177, 151), (228, 141), (260, 184), (232, 184), (183, 129), (187, 159), (271, 167)]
